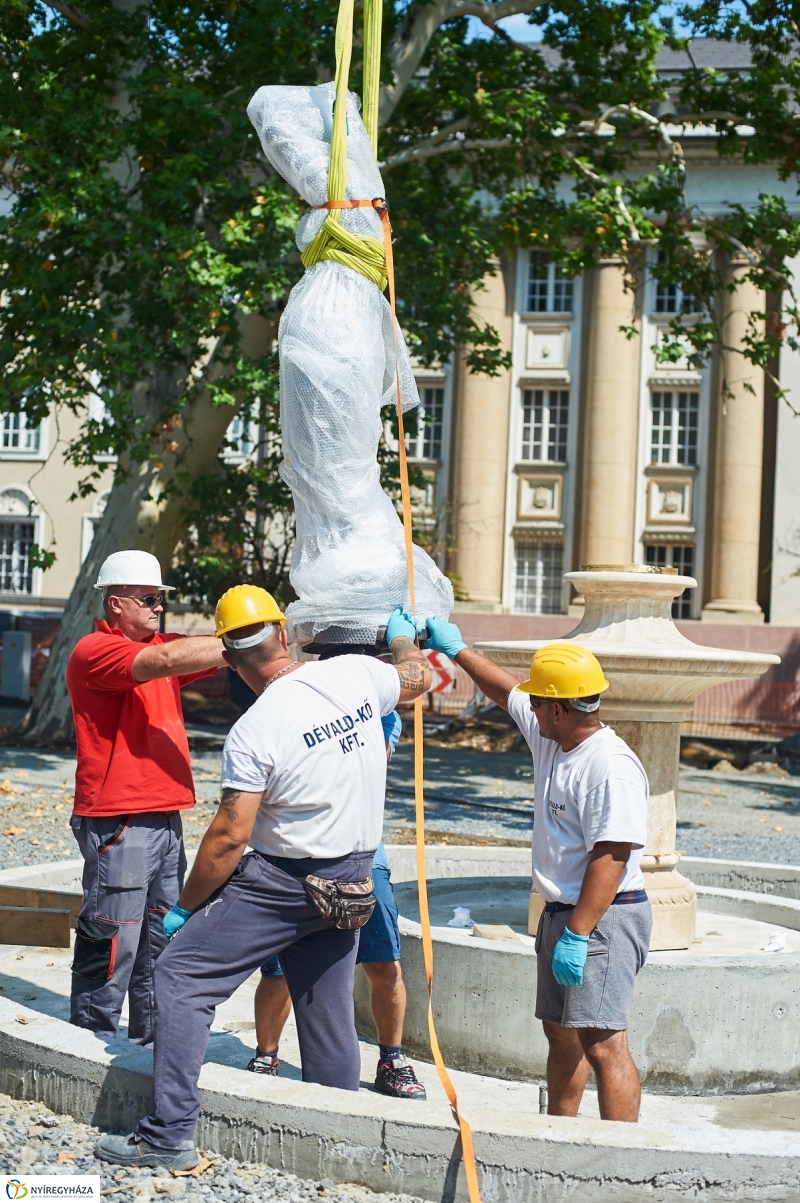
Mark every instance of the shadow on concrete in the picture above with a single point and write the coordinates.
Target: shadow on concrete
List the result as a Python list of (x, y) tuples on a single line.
[(30, 994)]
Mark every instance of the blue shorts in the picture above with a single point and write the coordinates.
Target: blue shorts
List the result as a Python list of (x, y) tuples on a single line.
[(380, 936)]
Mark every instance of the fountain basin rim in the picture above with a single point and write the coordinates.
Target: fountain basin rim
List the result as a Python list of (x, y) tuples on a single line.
[(656, 581), (718, 901), (644, 656), (666, 959)]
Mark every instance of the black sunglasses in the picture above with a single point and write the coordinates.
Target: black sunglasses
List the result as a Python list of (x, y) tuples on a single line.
[(149, 599)]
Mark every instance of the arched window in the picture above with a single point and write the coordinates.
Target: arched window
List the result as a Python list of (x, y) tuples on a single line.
[(17, 532)]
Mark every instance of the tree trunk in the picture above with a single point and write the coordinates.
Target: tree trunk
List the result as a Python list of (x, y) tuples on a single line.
[(145, 514)]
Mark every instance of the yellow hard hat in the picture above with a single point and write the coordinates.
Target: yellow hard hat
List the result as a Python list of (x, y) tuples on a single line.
[(244, 605), (564, 670)]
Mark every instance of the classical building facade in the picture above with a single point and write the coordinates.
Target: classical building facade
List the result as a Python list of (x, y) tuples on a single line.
[(586, 450), (589, 451)]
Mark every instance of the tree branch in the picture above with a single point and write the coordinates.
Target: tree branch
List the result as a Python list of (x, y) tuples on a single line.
[(631, 110), (757, 261), (625, 211), (70, 12), (441, 143), (408, 47), (491, 11)]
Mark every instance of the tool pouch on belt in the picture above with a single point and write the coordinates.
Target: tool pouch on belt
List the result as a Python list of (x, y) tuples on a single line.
[(345, 904)]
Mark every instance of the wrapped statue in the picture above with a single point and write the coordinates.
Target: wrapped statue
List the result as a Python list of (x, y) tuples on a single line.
[(340, 361)]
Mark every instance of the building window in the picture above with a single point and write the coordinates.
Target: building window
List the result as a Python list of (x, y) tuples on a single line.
[(241, 438), (427, 442), (674, 424), (16, 574), (18, 436), (545, 415), (670, 298), (675, 555), (549, 290), (539, 569), (92, 521)]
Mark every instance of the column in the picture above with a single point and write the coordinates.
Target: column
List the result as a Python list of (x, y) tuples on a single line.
[(734, 527), (610, 422), (480, 456)]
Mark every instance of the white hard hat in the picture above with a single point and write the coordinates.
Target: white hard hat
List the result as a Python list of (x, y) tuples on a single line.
[(130, 568)]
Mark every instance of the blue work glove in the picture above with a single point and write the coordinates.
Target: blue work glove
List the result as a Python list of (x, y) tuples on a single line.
[(392, 729), (569, 958), (445, 637), (174, 920), (400, 623)]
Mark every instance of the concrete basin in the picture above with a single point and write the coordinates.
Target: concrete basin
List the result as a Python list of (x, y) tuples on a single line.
[(720, 1017)]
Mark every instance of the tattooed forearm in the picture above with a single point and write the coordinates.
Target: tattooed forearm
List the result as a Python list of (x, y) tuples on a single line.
[(227, 805), (412, 676), (412, 666)]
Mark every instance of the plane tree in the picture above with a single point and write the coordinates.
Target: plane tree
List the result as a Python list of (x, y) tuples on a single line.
[(147, 247)]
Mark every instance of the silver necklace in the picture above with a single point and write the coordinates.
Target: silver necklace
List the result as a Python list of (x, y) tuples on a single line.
[(278, 674)]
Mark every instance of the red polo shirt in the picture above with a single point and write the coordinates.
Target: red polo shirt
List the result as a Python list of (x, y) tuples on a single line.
[(133, 754)]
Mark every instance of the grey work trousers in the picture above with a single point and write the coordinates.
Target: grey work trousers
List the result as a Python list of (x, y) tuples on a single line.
[(133, 871), (260, 911)]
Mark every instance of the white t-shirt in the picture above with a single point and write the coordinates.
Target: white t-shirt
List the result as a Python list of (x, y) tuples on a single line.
[(313, 743), (598, 791)]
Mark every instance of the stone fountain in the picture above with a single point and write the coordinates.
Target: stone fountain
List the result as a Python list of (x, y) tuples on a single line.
[(655, 675), (716, 1008)]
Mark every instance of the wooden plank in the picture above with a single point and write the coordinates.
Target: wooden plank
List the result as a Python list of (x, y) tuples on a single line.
[(34, 927), (49, 900)]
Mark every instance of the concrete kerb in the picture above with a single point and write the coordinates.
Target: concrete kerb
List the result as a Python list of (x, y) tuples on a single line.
[(384, 1144)]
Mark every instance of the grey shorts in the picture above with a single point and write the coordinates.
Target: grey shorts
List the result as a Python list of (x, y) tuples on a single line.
[(617, 950)]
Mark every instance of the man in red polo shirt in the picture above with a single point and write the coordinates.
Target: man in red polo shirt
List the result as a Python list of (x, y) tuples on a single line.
[(133, 779)]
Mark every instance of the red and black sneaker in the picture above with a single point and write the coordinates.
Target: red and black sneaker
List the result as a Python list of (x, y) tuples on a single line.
[(263, 1063), (397, 1078)]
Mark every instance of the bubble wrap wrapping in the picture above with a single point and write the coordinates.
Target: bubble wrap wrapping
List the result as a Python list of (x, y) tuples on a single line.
[(337, 369)]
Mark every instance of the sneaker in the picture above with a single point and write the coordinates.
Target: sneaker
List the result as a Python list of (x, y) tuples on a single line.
[(264, 1064), (135, 1150), (397, 1078)]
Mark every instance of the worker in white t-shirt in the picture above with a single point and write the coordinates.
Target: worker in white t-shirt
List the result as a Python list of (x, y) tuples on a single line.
[(303, 783), (589, 831)]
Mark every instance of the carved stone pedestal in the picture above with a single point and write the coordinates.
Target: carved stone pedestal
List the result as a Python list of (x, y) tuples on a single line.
[(672, 896)]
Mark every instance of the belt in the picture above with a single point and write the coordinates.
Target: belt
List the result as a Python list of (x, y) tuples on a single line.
[(626, 898), (332, 868)]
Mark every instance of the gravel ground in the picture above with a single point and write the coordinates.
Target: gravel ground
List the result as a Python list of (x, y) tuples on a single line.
[(35, 1140), (472, 797)]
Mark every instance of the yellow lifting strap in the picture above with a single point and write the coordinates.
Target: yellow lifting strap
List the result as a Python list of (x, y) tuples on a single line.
[(363, 254), (368, 256)]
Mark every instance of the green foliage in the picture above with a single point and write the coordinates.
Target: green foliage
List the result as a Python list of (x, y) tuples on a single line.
[(39, 557), (146, 222), (239, 521)]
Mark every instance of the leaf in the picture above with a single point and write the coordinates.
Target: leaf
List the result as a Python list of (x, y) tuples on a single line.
[(64, 1156), (6, 787), (203, 1164), (38, 557), (14, 831), (26, 1018)]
